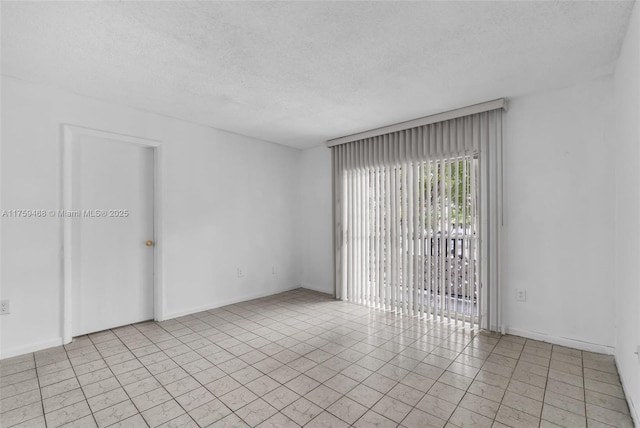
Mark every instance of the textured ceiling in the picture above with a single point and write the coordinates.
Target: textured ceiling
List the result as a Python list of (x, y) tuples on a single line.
[(299, 73)]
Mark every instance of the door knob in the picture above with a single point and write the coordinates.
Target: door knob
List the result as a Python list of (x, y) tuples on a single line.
[(149, 243)]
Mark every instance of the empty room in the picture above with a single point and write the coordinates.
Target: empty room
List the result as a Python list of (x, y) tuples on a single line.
[(320, 214)]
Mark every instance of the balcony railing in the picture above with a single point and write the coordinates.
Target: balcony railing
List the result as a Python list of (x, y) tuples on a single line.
[(449, 273)]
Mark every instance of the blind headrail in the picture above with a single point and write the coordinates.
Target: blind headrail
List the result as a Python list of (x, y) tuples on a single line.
[(427, 120)]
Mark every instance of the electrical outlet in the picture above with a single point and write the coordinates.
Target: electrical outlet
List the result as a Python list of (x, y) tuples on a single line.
[(5, 307), (240, 272), (521, 295), (274, 270)]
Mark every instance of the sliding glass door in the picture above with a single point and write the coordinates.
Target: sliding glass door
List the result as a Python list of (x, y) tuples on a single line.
[(411, 237), (417, 216)]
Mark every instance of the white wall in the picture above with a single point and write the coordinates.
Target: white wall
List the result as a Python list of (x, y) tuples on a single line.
[(627, 211), (558, 235), (315, 222), (227, 202)]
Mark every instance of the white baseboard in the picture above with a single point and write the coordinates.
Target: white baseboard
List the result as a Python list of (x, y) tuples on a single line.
[(632, 407), (14, 352), (563, 341), (220, 303), (318, 289)]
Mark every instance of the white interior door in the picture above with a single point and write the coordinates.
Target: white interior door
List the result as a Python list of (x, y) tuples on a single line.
[(113, 264)]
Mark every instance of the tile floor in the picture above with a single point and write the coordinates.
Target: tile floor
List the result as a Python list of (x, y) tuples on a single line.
[(302, 359)]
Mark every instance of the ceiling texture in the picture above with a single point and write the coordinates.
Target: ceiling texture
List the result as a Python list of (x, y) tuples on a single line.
[(299, 73)]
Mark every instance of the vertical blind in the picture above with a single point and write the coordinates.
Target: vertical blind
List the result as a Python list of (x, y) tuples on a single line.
[(408, 218)]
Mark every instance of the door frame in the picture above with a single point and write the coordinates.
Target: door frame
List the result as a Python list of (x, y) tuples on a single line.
[(68, 134)]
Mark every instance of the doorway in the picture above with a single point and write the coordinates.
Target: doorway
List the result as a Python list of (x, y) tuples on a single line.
[(110, 230)]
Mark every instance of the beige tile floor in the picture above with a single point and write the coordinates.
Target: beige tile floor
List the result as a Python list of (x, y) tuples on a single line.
[(302, 359)]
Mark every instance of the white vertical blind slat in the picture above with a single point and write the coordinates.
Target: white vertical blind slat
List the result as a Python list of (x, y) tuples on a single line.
[(381, 229), (375, 234), (420, 251), (409, 239), (374, 237), (343, 200), (392, 238), (387, 239), (465, 246), (395, 223), (367, 231), (456, 238), (428, 239), (358, 235), (446, 230), (364, 216), (457, 235), (473, 244), (440, 233), (351, 223), (419, 228), (405, 225)]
